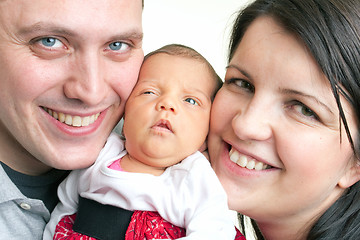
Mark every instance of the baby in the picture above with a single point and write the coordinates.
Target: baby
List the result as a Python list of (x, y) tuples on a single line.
[(158, 166)]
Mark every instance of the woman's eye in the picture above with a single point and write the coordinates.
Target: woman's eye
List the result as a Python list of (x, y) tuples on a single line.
[(242, 84), (50, 42), (191, 101), (305, 111), (118, 46)]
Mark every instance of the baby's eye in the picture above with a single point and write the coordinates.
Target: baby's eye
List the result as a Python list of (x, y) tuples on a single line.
[(119, 46), (148, 92), (191, 101)]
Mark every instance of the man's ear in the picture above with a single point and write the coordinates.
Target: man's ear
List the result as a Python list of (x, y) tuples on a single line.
[(351, 176)]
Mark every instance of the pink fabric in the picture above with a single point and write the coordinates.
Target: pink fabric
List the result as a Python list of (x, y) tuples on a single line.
[(116, 165)]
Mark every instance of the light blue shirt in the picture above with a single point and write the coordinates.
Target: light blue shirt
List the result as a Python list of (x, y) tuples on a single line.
[(21, 218)]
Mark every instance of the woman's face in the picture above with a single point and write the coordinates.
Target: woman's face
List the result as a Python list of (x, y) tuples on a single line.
[(275, 139)]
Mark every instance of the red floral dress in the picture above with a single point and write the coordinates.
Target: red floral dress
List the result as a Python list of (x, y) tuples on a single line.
[(143, 225)]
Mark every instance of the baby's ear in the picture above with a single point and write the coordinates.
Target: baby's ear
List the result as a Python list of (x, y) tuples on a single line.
[(351, 176)]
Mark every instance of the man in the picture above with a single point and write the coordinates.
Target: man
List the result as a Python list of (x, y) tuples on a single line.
[(66, 69)]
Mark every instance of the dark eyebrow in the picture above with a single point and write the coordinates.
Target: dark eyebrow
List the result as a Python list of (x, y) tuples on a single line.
[(294, 92), (246, 74)]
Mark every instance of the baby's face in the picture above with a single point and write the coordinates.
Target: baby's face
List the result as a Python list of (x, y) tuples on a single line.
[(167, 115)]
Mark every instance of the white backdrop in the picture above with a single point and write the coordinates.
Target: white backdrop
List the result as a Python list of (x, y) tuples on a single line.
[(201, 24)]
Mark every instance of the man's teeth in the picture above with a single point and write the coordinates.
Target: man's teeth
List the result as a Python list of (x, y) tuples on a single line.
[(75, 121), (243, 161)]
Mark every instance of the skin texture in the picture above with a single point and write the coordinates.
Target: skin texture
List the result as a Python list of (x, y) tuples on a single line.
[(73, 58), (276, 107), (171, 89)]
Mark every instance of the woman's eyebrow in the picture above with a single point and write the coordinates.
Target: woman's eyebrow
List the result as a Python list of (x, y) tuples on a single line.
[(285, 91), (242, 71)]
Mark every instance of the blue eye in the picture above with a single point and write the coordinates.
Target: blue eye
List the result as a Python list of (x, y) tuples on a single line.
[(50, 42), (49, 47), (191, 101), (116, 46)]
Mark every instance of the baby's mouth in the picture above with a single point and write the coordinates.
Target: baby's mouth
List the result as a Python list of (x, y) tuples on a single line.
[(163, 125), (246, 162), (74, 121)]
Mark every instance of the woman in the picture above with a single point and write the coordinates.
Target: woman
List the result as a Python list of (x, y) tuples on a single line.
[(284, 127)]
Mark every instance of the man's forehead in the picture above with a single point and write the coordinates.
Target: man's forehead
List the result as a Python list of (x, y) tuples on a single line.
[(123, 12), (70, 18)]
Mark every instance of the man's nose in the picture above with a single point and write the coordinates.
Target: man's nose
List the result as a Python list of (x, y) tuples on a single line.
[(87, 81)]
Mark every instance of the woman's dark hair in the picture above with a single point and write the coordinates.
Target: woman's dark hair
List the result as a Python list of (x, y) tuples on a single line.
[(330, 29)]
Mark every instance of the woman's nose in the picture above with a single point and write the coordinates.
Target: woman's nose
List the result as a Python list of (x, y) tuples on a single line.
[(253, 122)]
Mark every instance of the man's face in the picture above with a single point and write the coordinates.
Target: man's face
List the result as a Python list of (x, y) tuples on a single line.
[(66, 69)]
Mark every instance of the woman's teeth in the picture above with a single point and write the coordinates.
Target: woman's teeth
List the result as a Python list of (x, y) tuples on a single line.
[(75, 121), (243, 161)]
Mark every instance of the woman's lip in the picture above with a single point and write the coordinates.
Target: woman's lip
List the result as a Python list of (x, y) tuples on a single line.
[(246, 159)]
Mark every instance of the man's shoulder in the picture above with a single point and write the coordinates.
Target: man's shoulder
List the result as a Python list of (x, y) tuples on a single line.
[(8, 189)]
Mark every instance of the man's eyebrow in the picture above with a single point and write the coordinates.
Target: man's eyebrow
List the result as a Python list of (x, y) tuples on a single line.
[(55, 29), (45, 27), (132, 34)]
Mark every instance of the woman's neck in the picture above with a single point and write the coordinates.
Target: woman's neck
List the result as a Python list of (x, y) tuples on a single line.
[(288, 228)]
